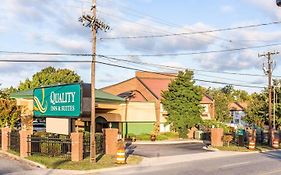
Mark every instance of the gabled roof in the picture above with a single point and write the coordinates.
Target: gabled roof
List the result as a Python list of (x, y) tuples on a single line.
[(156, 85), (207, 99), (236, 106)]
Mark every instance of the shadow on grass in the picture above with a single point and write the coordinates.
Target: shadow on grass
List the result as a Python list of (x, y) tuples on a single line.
[(56, 164)]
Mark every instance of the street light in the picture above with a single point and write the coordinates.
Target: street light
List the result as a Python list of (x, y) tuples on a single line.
[(278, 3)]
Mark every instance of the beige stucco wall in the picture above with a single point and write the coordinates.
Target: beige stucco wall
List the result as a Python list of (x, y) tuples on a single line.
[(27, 105), (137, 111)]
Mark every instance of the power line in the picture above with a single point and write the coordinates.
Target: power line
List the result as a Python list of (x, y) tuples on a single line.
[(46, 53), (161, 21), (172, 68), (202, 52), (45, 61), (143, 55), (180, 68), (108, 57), (192, 33), (120, 66), (200, 80)]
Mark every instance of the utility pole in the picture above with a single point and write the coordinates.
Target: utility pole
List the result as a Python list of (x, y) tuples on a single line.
[(95, 24), (268, 71), (274, 108)]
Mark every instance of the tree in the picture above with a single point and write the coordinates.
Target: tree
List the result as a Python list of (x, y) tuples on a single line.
[(9, 112), (182, 102), (5, 93), (221, 99), (50, 76), (257, 111)]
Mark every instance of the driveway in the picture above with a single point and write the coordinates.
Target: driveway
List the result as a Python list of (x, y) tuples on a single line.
[(157, 150), (10, 165)]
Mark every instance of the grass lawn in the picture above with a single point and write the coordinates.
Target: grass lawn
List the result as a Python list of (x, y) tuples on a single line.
[(106, 161), (14, 152), (233, 148), (244, 148)]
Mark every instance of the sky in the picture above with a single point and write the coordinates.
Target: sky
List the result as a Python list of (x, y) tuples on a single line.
[(53, 26)]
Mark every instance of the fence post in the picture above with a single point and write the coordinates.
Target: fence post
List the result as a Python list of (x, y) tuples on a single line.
[(6, 138), (216, 136), (111, 137), (76, 146), (24, 144)]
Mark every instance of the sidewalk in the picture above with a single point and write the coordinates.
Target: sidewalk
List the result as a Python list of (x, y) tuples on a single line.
[(167, 142)]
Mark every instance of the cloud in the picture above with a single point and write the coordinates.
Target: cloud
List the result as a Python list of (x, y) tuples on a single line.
[(269, 7), (227, 9), (161, 44), (54, 22), (229, 61)]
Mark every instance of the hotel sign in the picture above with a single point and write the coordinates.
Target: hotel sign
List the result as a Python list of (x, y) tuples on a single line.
[(57, 101)]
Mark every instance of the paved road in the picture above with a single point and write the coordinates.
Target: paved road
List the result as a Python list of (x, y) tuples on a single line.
[(157, 150), (9, 165), (249, 164)]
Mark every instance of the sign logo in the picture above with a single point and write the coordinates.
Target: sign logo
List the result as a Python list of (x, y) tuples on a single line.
[(39, 106), (57, 101)]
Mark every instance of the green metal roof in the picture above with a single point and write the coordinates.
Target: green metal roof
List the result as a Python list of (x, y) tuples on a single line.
[(101, 96), (22, 94)]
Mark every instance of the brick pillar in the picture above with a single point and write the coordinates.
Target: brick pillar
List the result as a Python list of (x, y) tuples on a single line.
[(25, 146), (6, 138), (76, 146), (216, 136), (111, 137)]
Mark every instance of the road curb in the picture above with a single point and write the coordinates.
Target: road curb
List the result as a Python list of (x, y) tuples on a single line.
[(23, 159), (166, 142)]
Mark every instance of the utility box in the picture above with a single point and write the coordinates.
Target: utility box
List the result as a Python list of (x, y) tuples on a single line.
[(199, 135)]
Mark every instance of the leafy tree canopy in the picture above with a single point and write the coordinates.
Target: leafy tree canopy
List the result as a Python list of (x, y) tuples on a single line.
[(9, 112), (257, 110), (5, 93), (182, 102), (50, 76), (222, 113)]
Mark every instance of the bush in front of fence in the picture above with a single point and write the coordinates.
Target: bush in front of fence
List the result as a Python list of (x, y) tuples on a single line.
[(53, 149), (50, 145)]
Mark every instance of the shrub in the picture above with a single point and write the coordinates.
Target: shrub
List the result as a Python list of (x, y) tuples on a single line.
[(227, 139), (170, 135), (53, 149), (161, 137), (143, 136)]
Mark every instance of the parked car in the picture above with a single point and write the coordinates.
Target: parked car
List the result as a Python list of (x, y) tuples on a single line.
[(37, 126)]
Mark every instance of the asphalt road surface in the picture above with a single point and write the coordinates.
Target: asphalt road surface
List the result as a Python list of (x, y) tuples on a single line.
[(268, 163), (157, 150), (9, 165)]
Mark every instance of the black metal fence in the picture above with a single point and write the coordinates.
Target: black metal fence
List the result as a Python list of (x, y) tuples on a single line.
[(50, 146), (87, 144), (14, 139)]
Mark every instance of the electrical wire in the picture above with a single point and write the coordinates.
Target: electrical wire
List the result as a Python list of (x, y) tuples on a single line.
[(162, 21), (107, 57), (192, 33), (180, 68), (201, 52), (120, 66)]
